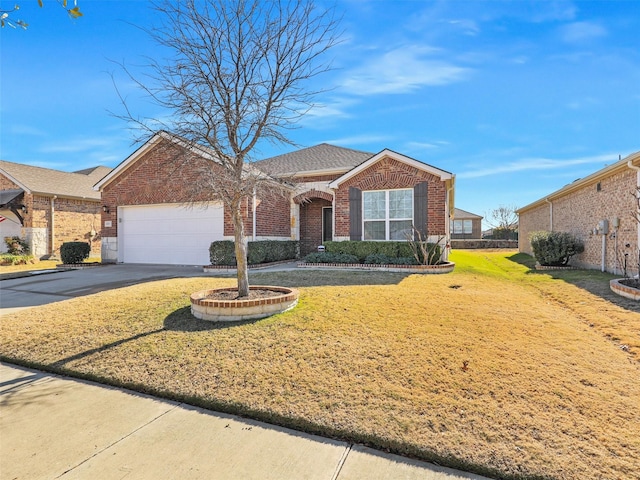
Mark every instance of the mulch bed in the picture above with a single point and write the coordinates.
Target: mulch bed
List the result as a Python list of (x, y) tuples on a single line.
[(254, 294)]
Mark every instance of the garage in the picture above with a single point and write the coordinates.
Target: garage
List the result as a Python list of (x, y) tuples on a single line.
[(175, 234)]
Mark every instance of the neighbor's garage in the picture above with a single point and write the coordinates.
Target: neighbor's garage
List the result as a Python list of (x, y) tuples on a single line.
[(168, 233)]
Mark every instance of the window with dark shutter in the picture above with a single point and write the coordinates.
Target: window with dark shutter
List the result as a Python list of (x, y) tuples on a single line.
[(420, 204), (355, 213)]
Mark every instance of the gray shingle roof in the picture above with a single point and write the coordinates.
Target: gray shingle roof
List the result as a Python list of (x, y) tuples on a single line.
[(54, 182), (313, 159), (459, 213)]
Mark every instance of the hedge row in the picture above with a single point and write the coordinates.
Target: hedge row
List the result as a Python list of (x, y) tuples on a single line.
[(223, 252), (391, 250)]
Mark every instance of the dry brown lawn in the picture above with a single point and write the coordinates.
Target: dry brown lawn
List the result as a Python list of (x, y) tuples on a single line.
[(492, 368)]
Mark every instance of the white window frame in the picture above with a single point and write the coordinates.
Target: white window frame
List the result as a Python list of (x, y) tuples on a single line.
[(462, 227), (387, 219)]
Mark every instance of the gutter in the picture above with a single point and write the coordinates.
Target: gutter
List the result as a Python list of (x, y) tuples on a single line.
[(550, 213)]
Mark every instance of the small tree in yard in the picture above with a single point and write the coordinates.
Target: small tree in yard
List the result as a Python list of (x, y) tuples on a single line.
[(503, 221), (236, 76)]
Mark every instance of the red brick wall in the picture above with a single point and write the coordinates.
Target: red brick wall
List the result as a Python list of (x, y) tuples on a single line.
[(167, 174), (579, 212), (311, 225), (390, 174)]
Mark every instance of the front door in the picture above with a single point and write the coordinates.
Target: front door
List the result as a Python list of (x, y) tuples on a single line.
[(327, 224)]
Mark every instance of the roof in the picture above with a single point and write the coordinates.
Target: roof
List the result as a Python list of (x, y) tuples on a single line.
[(323, 158), (46, 181), (459, 213), (442, 174), (622, 164)]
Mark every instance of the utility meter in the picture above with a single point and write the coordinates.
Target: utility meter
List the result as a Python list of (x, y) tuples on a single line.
[(603, 227)]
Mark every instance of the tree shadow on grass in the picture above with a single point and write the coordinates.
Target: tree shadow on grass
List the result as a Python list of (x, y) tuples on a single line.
[(182, 320), (325, 278), (593, 281)]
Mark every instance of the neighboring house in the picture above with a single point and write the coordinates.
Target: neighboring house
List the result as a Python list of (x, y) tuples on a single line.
[(49, 207), (466, 225), (599, 210), (340, 194)]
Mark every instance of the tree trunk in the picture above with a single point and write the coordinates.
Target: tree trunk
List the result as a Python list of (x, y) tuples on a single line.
[(241, 250)]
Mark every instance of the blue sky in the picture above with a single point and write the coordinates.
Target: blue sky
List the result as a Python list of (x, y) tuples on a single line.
[(517, 98)]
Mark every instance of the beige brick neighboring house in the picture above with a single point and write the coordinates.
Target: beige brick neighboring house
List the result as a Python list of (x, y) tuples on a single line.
[(49, 207), (147, 219), (466, 225), (580, 207)]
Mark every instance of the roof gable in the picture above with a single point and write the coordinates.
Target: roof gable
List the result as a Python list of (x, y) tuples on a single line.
[(459, 213), (47, 181), (386, 153), (320, 158), (146, 147)]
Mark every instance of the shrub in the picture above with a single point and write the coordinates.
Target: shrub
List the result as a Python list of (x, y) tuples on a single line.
[(13, 259), (264, 251), (74, 252), (555, 248), (377, 259), (16, 245), (328, 257), (362, 249)]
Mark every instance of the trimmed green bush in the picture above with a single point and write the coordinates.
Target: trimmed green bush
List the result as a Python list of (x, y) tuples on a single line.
[(392, 250), (328, 257), (555, 248), (223, 252), (74, 252)]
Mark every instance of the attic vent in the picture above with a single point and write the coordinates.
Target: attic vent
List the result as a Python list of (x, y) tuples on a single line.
[(598, 187)]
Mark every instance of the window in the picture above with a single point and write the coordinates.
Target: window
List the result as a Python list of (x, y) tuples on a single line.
[(463, 227), (387, 214)]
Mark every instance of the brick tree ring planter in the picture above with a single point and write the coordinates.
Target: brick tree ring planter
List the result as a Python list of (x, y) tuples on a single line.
[(618, 286), (204, 307)]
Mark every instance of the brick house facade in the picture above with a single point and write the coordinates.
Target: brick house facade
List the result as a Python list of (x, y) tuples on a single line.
[(51, 207), (580, 207), (162, 175)]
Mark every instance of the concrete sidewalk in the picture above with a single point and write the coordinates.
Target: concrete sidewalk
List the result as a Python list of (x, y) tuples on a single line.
[(57, 427)]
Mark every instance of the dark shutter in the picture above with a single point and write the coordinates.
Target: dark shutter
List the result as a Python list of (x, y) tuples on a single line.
[(420, 209), (355, 213)]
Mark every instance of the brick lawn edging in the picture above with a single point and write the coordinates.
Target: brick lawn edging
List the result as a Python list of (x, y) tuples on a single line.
[(554, 267), (624, 290), (79, 266), (230, 269), (425, 269), (243, 309)]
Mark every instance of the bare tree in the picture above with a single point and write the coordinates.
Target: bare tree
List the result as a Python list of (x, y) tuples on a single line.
[(503, 221), (238, 74)]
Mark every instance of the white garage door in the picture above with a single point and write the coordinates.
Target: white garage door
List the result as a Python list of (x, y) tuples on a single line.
[(168, 233)]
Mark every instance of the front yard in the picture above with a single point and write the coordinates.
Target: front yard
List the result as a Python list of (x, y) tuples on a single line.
[(492, 368)]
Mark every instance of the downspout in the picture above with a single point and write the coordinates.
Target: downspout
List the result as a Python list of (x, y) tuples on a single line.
[(637, 169), (53, 225), (447, 223), (550, 213), (254, 215)]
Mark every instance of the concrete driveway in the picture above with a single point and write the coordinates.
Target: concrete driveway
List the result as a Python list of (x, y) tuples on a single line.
[(49, 287)]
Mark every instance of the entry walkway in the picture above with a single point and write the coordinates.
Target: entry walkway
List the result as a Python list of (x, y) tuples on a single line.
[(54, 427)]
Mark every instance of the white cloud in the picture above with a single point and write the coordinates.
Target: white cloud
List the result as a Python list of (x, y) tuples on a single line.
[(75, 145), (359, 140), (532, 164), (402, 70), (426, 145), (580, 32)]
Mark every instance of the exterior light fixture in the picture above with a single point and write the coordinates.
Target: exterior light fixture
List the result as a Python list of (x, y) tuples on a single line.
[(105, 209)]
